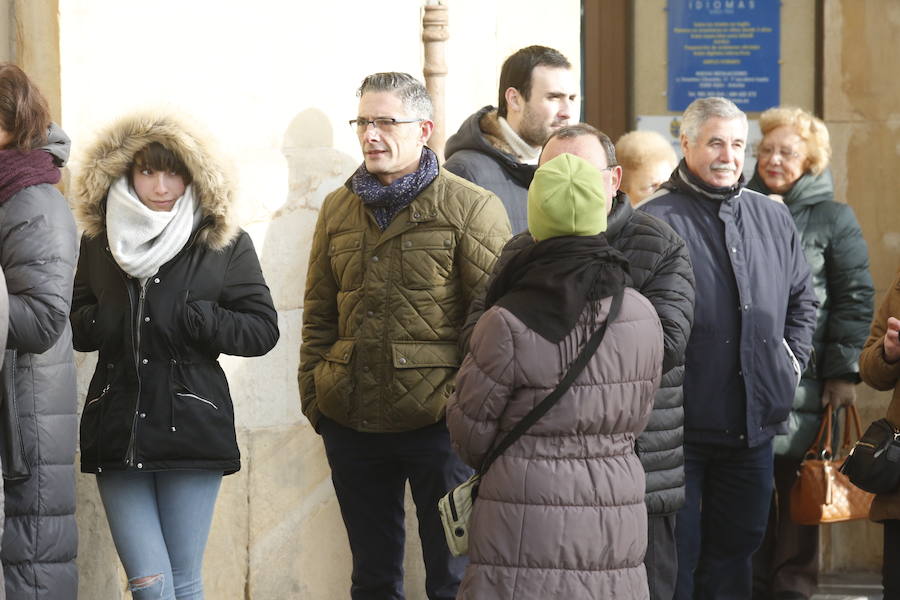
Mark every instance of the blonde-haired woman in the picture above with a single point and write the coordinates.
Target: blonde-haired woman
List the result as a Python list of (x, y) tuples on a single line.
[(792, 166)]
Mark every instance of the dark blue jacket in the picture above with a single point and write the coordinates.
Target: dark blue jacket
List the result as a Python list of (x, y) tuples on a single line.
[(839, 266), (754, 312)]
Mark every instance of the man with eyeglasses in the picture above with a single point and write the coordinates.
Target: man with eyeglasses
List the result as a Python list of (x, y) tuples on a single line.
[(498, 148), (661, 271), (398, 254), (754, 317)]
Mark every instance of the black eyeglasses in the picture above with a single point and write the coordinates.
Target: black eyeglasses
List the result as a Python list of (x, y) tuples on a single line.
[(380, 123)]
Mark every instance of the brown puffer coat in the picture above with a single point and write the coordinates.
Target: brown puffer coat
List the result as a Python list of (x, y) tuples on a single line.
[(882, 375), (561, 513)]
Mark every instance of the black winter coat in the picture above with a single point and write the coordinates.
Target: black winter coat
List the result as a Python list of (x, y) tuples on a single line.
[(158, 399), (839, 265), (661, 271)]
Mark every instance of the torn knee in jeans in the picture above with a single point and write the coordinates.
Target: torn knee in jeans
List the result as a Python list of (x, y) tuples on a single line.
[(140, 583)]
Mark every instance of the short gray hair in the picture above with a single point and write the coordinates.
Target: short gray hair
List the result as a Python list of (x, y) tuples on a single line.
[(701, 110), (412, 93)]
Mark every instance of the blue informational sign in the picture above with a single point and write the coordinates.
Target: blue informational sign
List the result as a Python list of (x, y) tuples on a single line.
[(724, 48)]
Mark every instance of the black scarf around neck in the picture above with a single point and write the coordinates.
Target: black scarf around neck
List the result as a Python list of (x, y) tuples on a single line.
[(692, 182), (548, 284)]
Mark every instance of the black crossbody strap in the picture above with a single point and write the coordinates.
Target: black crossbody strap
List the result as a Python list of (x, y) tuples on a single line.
[(547, 403)]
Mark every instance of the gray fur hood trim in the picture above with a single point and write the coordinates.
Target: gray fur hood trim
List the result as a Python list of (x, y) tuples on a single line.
[(113, 151)]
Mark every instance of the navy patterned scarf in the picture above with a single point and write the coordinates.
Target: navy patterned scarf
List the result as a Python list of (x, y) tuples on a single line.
[(385, 201)]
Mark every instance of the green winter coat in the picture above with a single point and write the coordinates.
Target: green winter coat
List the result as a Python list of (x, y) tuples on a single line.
[(839, 266), (383, 310)]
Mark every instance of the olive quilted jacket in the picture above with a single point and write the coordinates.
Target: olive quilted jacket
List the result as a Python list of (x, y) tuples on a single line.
[(383, 309)]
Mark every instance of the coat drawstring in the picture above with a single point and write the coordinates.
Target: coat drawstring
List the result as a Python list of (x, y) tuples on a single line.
[(172, 363)]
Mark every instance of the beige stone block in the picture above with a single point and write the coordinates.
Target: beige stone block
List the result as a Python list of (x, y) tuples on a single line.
[(264, 389), (298, 548), (100, 571), (869, 153), (861, 45), (298, 544), (226, 564), (285, 253)]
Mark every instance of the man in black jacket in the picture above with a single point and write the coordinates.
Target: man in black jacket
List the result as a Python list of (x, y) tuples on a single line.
[(498, 148), (661, 271)]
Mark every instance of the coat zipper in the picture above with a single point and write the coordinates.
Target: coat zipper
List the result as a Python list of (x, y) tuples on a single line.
[(136, 342)]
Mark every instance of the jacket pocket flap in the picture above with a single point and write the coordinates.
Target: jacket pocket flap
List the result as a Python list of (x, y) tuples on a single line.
[(428, 239), (345, 242), (341, 351), (414, 355)]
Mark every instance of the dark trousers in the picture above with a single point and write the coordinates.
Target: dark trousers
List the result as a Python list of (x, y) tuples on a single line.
[(727, 491), (370, 471), (787, 563), (661, 560), (890, 567)]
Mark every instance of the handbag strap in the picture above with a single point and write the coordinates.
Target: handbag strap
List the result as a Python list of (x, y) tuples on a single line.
[(818, 449), (851, 415), (547, 403)]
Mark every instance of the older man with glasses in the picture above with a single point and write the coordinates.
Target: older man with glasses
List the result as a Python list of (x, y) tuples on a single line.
[(398, 255)]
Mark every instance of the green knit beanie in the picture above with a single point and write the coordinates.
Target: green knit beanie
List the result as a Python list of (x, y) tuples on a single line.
[(566, 197)]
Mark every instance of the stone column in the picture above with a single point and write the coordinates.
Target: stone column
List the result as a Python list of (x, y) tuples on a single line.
[(6, 31), (434, 36), (36, 47)]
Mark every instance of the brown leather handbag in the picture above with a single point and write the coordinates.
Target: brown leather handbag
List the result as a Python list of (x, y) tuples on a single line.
[(822, 494)]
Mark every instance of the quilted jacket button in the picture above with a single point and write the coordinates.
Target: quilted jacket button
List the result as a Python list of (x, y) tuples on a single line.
[(416, 215), (402, 361), (407, 244), (447, 243), (374, 259)]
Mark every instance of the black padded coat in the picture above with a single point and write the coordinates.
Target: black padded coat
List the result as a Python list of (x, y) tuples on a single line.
[(158, 399)]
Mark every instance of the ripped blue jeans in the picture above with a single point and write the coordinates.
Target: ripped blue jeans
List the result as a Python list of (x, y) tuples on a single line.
[(160, 523)]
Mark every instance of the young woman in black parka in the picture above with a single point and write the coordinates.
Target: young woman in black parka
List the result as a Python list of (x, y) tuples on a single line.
[(166, 282)]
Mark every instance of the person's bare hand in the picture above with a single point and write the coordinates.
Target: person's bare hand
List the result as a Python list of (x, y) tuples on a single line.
[(892, 340)]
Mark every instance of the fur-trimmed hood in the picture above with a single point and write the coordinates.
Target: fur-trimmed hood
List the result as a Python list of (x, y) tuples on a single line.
[(111, 154)]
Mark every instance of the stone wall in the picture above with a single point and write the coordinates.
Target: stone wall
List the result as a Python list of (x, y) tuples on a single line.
[(862, 110), (275, 82)]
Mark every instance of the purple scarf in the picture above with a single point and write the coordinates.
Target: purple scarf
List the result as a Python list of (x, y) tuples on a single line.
[(19, 170), (385, 201)]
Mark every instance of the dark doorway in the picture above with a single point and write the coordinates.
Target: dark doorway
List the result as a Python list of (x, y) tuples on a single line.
[(606, 46)]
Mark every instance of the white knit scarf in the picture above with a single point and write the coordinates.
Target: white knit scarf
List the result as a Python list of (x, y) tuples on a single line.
[(142, 240)]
